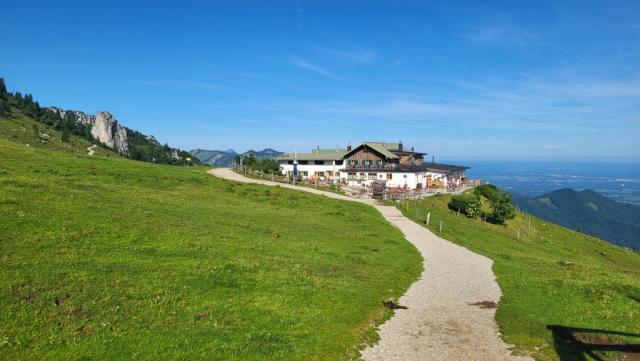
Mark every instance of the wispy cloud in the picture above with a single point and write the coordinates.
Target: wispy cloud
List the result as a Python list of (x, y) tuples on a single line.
[(549, 105), (500, 35), (553, 146), (313, 68), (349, 56), (188, 85)]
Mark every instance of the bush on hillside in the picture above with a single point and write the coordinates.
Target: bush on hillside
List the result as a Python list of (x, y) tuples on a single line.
[(489, 191), (501, 212), (468, 204), (501, 208)]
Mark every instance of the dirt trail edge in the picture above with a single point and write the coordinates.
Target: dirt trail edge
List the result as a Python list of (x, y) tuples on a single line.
[(441, 321)]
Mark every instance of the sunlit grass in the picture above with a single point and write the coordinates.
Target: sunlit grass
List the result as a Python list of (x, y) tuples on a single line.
[(107, 258), (549, 276)]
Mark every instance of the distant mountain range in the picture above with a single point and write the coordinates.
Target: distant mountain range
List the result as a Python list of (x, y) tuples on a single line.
[(588, 212), (223, 158)]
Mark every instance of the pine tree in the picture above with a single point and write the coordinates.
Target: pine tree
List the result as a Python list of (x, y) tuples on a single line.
[(66, 134), (4, 106), (3, 88)]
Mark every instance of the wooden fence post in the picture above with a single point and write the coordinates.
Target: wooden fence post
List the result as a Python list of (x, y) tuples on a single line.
[(440, 228), (428, 218)]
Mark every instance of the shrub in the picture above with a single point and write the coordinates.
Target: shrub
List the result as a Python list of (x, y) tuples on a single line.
[(489, 191), (501, 212), (468, 204)]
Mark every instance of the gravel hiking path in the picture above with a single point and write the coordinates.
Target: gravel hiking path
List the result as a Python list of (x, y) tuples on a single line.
[(450, 312), (91, 149)]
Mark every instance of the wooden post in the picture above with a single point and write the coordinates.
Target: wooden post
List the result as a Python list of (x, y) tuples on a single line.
[(440, 228), (529, 231), (428, 218), (417, 210), (458, 212)]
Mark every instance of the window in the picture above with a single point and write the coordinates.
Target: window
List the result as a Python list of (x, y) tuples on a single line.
[(389, 176), (318, 162), (352, 175), (289, 162), (378, 162), (372, 176), (338, 162), (303, 162), (355, 163)]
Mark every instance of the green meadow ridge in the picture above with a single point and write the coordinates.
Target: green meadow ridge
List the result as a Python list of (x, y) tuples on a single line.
[(107, 258), (589, 212), (554, 281), (125, 141)]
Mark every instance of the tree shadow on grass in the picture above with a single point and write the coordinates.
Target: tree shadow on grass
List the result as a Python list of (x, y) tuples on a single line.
[(577, 344)]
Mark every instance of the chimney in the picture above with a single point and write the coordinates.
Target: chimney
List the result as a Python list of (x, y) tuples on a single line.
[(411, 149), (433, 159), (349, 147), (400, 146)]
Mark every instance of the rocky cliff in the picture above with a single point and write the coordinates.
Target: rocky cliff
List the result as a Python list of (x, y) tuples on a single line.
[(107, 130), (104, 128)]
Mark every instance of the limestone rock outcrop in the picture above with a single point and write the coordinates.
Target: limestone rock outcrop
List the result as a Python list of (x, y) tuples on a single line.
[(107, 130), (104, 128)]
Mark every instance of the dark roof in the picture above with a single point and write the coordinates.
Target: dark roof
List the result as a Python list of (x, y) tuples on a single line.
[(377, 147), (444, 167), (411, 168)]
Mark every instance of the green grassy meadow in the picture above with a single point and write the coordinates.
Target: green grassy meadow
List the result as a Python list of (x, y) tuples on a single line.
[(551, 276), (107, 258)]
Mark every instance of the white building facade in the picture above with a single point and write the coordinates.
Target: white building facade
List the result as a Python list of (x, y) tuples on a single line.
[(372, 161), (321, 164)]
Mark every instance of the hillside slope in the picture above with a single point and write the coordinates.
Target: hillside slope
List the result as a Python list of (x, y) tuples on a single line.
[(103, 129), (20, 129), (109, 259), (555, 282), (589, 212)]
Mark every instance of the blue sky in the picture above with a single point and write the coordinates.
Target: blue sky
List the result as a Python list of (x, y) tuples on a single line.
[(460, 80)]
